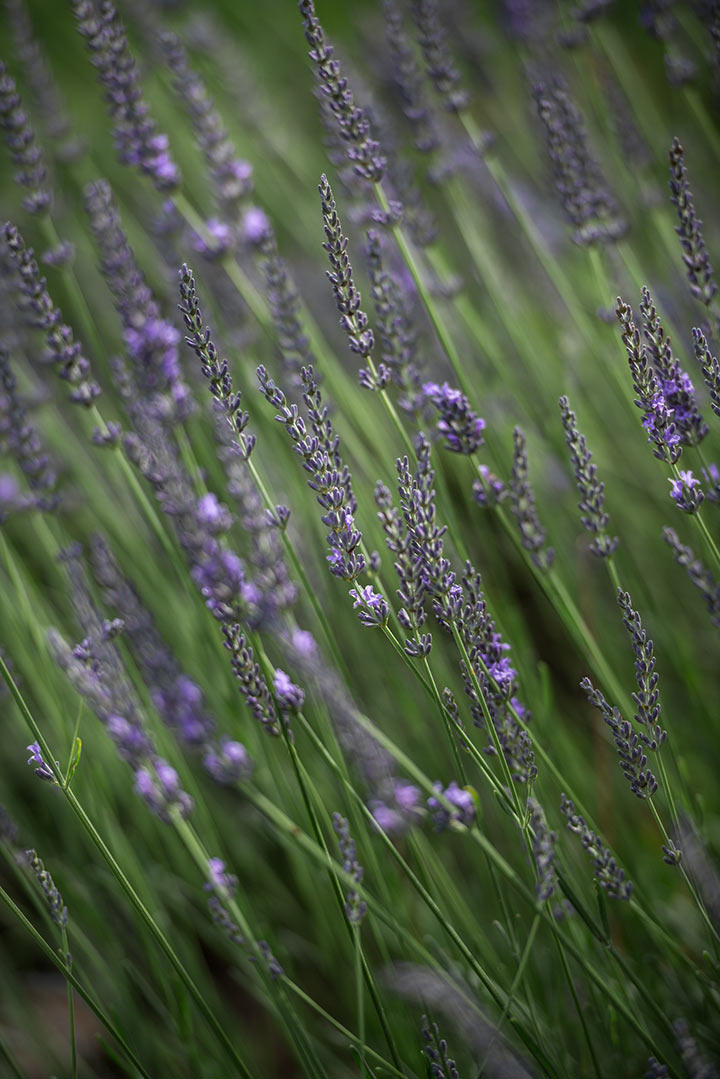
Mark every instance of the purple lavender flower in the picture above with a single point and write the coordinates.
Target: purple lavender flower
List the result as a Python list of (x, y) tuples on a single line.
[(371, 606), (607, 872), (58, 910), (586, 198), (228, 762), (355, 907), (255, 227), (250, 679), (27, 156), (674, 383), (461, 811), (439, 63), (230, 175), (64, 352), (488, 489), (137, 140), (43, 770), (522, 504), (628, 742), (399, 808), (159, 786), (352, 319), (689, 229), (686, 492), (362, 150), (459, 425), (329, 476), (290, 697), (658, 418), (591, 489)]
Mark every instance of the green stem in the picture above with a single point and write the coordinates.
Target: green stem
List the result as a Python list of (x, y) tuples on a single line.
[(71, 1005)]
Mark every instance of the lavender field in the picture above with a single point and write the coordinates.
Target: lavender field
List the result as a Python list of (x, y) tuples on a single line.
[(360, 539)]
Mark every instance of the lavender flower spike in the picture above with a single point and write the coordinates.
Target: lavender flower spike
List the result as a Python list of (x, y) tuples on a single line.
[(647, 699), (439, 63), (629, 743), (65, 352), (522, 503), (543, 848), (608, 873), (710, 369), (701, 577), (396, 335), (409, 80), (355, 907), (591, 489), (352, 319), (697, 262), (460, 426), (58, 910), (25, 443), (27, 156), (442, 1066), (137, 140), (354, 127)]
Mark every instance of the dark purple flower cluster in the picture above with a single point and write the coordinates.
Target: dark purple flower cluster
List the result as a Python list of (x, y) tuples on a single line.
[(177, 698), (607, 872), (689, 229), (586, 198), (63, 350), (442, 1066), (152, 343), (658, 419), (354, 127), (701, 577), (439, 63), (497, 678), (352, 318), (628, 742), (27, 156), (329, 476), (231, 176), (591, 489), (461, 428), (355, 907), (408, 563), (522, 504), (23, 441), (137, 141), (674, 383), (455, 806)]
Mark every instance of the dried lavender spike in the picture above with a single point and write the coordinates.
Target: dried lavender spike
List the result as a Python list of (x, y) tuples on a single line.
[(65, 352), (585, 196), (439, 62), (214, 369), (628, 742), (230, 175), (607, 872), (591, 489), (543, 847), (408, 79), (436, 1051), (362, 150), (698, 574), (710, 368), (25, 443), (409, 568), (137, 141), (657, 417), (329, 476), (352, 318), (58, 910), (250, 679), (647, 698), (522, 503), (355, 907), (27, 156), (689, 229), (674, 383)]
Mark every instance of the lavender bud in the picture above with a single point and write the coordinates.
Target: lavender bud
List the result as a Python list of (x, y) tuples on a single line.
[(27, 156), (607, 872), (689, 229), (436, 1051), (439, 62), (352, 319), (710, 369), (250, 679), (355, 907), (459, 425), (58, 911), (43, 770), (543, 848), (489, 489), (591, 489), (698, 574), (522, 504), (633, 760), (25, 444), (371, 606)]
